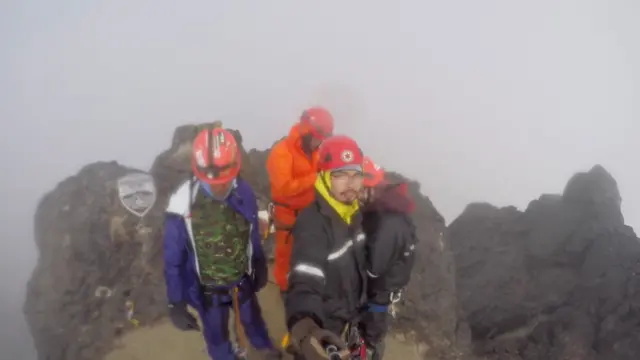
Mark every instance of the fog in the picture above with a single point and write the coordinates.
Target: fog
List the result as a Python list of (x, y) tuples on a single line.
[(489, 100)]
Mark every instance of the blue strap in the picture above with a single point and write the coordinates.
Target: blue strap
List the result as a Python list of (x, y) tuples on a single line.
[(376, 308), (221, 295)]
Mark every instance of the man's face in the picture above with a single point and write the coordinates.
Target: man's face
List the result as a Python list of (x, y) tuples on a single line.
[(221, 190), (309, 143), (346, 185), (315, 143)]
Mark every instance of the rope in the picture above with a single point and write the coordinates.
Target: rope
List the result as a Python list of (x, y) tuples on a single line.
[(242, 339)]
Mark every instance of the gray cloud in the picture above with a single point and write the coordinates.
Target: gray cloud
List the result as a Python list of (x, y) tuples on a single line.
[(493, 100)]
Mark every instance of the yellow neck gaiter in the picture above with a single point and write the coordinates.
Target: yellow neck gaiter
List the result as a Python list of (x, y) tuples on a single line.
[(323, 181)]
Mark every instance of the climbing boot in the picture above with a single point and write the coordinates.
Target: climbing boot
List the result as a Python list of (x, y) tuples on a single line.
[(376, 351)]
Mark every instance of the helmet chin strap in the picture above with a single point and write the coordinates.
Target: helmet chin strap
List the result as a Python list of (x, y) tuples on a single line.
[(207, 188)]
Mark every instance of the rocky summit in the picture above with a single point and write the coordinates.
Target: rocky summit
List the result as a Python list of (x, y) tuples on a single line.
[(99, 274), (556, 281)]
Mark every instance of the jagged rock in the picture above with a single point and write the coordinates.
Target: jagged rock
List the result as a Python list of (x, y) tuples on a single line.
[(96, 258), (557, 281), (430, 309)]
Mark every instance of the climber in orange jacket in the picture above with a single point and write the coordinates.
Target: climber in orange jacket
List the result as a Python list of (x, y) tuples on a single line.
[(291, 166)]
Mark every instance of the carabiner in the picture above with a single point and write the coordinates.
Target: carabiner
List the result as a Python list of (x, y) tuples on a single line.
[(393, 311), (270, 209), (395, 296)]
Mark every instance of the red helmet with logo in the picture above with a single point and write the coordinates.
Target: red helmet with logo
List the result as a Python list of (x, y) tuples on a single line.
[(318, 122), (215, 158), (373, 173), (339, 152)]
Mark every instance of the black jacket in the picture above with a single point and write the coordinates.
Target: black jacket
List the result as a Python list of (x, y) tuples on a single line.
[(327, 276), (391, 242)]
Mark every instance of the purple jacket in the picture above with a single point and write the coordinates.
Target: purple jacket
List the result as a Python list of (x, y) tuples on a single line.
[(180, 265)]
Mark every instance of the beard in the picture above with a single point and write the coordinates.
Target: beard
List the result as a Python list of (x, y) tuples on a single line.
[(348, 196)]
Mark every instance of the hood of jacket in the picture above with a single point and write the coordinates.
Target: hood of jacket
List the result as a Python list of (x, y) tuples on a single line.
[(392, 197), (345, 211), (293, 139)]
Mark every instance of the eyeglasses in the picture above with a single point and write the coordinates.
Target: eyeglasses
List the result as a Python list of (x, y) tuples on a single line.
[(344, 178)]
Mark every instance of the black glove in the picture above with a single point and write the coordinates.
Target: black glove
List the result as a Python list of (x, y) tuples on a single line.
[(314, 342), (260, 274), (181, 318)]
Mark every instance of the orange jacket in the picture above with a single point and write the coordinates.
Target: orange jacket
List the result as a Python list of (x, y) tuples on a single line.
[(292, 174)]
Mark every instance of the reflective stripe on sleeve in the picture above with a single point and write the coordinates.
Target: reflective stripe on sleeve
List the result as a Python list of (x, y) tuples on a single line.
[(309, 269)]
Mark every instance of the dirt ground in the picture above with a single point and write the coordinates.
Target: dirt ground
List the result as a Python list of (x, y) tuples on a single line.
[(164, 342)]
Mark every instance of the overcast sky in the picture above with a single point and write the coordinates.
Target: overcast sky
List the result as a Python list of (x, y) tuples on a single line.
[(479, 100)]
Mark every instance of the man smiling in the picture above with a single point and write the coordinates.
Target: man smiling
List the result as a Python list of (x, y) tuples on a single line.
[(327, 280)]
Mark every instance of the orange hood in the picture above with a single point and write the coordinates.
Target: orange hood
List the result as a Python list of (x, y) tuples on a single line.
[(292, 174), (293, 138)]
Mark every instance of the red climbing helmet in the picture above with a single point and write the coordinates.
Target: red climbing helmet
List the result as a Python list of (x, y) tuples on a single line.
[(215, 158), (339, 152), (373, 173), (317, 121)]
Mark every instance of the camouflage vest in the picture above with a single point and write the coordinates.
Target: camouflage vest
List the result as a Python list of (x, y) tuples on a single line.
[(221, 238)]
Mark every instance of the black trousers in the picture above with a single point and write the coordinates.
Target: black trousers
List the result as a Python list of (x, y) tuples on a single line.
[(374, 326)]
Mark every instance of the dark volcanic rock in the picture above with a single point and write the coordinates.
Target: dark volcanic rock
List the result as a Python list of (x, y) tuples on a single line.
[(430, 308), (557, 281), (95, 257)]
